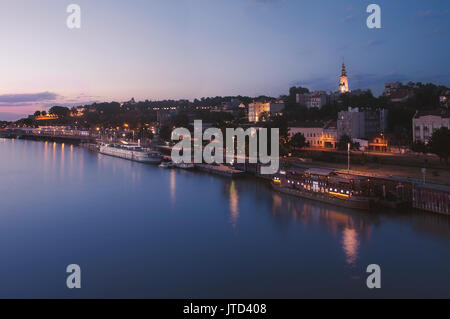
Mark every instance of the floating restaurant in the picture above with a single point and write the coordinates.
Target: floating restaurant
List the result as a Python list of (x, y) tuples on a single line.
[(326, 185)]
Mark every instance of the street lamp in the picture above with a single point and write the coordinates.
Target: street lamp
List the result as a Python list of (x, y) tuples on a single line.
[(348, 158)]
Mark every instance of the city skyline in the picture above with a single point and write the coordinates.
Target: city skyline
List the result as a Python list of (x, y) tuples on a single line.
[(188, 50)]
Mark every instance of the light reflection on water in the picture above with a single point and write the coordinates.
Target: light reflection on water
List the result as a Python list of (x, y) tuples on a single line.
[(142, 231)]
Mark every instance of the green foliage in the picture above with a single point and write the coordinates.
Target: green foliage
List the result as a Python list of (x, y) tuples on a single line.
[(440, 143), (420, 147), (60, 111), (165, 133), (298, 141), (342, 145)]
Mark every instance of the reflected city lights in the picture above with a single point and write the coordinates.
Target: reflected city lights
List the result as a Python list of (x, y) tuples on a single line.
[(350, 243), (234, 203), (172, 186)]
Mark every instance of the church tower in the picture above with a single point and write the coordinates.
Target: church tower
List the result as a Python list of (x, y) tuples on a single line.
[(343, 80)]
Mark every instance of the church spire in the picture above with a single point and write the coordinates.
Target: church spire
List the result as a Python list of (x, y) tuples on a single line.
[(343, 80), (344, 71)]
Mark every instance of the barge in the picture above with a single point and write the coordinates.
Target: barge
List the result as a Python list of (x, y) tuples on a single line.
[(325, 186)]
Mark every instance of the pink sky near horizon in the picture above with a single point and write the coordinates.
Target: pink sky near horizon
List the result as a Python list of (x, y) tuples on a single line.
[(191, 49)]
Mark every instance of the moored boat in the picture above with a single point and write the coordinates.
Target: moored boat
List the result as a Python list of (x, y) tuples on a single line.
[(185, 165), (169, 164), (325, 186), (131, 152)]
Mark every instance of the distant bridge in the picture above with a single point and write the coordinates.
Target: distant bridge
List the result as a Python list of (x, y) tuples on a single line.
[(55, 135)]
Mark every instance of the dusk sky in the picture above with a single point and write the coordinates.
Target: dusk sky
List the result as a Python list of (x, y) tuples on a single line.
[(158, 49)]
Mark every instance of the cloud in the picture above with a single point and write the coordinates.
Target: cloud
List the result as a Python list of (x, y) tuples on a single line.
[(352, 14), (423, 14), (348, 18), (319, 83), (6, 116), (374, 43), (15, 106), (267, 3), (433, 33), (365, 80), (10, 99)]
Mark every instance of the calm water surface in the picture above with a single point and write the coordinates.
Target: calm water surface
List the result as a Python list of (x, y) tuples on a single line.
[(139, 231)]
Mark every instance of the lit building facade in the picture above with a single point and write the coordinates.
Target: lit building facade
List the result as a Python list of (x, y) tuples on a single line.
[(256, 110), (320, 137), (427, 122)]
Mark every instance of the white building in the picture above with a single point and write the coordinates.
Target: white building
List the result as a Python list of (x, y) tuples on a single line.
[(321, 137), (427, 122)]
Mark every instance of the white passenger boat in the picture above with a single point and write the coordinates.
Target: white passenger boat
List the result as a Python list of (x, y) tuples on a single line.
[(131, 152)]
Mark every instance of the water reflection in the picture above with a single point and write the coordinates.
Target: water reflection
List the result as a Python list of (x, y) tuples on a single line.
[(285, 247), (350, 244), (61, 163), (173, 183), (234, 204), (346, 226)]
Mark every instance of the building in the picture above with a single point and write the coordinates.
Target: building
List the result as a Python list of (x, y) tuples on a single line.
[(227, 107), (321, 137), (46, 117), (165, 114), (313, 99), (258, 110), (361, 123), (379, 143), (343, 80), (426, 122), (391, 87), (397, 92), (444, 99)]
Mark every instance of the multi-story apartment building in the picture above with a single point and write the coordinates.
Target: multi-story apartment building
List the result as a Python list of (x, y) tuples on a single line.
[(361, 123), (397, 92), (427, 122), (313, 99)]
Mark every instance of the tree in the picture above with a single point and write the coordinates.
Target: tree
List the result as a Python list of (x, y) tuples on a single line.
[(344, 141), (420, 147), (37, 113), (439, 144), (298, 141), (59, 110), (165, 133)]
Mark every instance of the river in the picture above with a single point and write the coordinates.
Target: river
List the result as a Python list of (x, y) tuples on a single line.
[(139, 231)]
